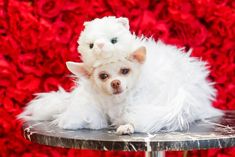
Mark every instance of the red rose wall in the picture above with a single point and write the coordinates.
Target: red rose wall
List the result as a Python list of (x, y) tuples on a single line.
[(38, 37)]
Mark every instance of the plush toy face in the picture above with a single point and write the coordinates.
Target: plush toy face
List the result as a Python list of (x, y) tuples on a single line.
[(104, 38), (113, 78)]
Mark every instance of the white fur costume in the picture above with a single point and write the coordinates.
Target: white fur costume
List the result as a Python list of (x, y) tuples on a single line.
[(172, 92)]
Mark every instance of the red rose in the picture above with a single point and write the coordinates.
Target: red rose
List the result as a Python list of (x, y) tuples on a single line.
[(9, 46), (73, 4), (54, 66), (46, 35), (25, 26), (5, 125), (29, 84), (8, 72), (63, 32), (49, 8), (3, 22), (177, 9), (73, 19), (19, 96), (50, 84), (184, 33), (98, 8), (36, 34), (66, 82), (159, 28), (29, 39), (146, 21), (19, 13), (31, 63)]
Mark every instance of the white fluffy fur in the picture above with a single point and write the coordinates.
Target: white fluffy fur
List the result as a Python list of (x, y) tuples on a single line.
[(172, 91)]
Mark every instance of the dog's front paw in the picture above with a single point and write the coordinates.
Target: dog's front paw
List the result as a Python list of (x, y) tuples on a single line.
[(126, 129)]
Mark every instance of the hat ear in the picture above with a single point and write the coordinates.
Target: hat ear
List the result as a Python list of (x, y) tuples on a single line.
[(78, 69), (138, 55), (124, 21)]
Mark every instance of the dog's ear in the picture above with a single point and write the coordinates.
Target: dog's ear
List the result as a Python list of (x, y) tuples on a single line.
[(78, 69), (138, 55), (124, 21)]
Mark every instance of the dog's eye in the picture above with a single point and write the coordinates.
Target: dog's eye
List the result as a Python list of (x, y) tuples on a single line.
[(124, 71), (103, 76), (91, 45), (114, 40)]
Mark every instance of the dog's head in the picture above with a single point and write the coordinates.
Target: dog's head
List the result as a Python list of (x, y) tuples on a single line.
[(104, 38), (113, 78)]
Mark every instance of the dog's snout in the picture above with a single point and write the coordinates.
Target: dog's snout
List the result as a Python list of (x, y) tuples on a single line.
[(115, 84)]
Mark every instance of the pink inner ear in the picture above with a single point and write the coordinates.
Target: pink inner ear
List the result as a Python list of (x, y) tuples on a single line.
[(84, 72), (140, 55), (78, 69)]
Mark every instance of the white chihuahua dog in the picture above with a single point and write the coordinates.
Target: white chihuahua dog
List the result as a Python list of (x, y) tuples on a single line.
[(174, 87), (99, 99), (164, 88)]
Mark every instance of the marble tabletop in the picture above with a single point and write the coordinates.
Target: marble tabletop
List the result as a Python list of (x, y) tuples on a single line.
[(216, 132)]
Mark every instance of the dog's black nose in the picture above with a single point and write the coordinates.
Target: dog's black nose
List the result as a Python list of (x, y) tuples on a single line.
[(115, 84)]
